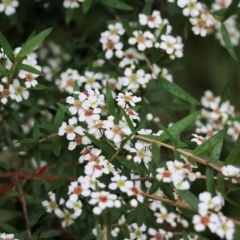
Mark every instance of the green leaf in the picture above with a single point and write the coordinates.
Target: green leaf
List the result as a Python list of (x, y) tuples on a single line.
[(49, 127), (59, 117), (185, 236), (101, 144), (210, 143), (33, 42), (172, 7), (36, 131), (169, 105), (231, 9), (30, 69), (56, 145), (142, 212), (129, 121), (110, 101), (190, 198), (234, 155), (7, 48), (132, 165), (6, 215), (147, 8), (3, 71), (219, 14), (35, 216), (117, 4), (50, 233), (231, 201), (215, 154), (179, 126), (221, 184), (64, 108), (155, 153), (177, 91), (69, 15), (127, 28), (227, 42), (167, 190), (154, 187), (86, 5), (187, 28), (210, 181), (27, 140), (99, 232)]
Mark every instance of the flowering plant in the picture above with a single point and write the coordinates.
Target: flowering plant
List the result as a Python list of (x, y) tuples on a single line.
[(97, 140)]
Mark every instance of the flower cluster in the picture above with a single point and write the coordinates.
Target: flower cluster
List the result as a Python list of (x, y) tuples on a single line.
[(214, 117), (204, 22), (17, 88), (216, 222)]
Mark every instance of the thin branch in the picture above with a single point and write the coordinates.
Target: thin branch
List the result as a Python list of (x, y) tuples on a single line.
[(188, 154), (104, 232), (31, 176), (24, 206), (41, 141)]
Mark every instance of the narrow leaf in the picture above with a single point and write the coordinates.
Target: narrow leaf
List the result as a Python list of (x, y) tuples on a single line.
[(86, 5), (7, 48), (110, 101), (210, 181), (179, 126), (209, 143), (3, 71), (102, 145), (190, 198), (147, 8), (69, 15), (59, 117), (132, 165), (129, 121), (30, 69), (56, 145), (64, 108), (117, 4), (33, 42), (127, 28), (155, 153), (177, 91), (234, 155), (227, 42), (231, 9), (50, 233)]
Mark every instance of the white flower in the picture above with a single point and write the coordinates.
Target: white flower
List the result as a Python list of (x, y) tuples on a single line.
[(17, 92), (77, 103), (191, 7), (67, 79), (51, 206), (68, 218), (173, 46), (5, 94), (5, 236), (8, 6), (116, 131), (164, 215), (30, 77), (113, 29), (130, 57), (137, 232), (75, 204), (234, 131), (89, 115), (230, 171), (126, 98), (143, 153), (163, 175), (133, 80), (90, 80), (110, 44), (103, 199), (152, 20), (70, 129), (157, 234), (120, 182), (203, 221), (225, 228), (144, 40), (96, 169), (79, 188), (209, 100), (71, 3), (198, 139)]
